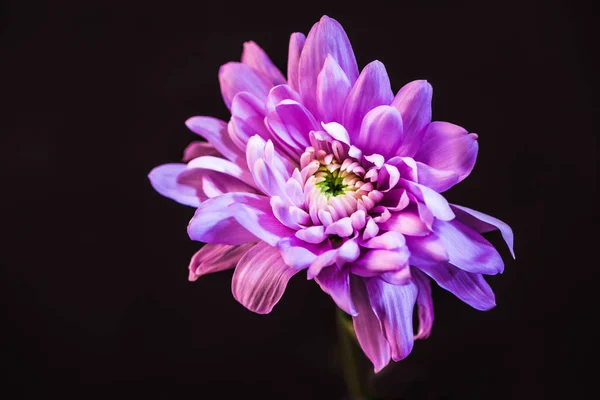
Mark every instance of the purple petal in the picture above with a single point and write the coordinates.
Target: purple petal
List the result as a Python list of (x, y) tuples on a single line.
[(381, 124), (236, 77), (424, 303), (436, 179), (429, 248), (256, 57), (247, 119), (388, 178), (378, 261), (470, 288), (299, 254), (297, 41), (484, 223), (254, 213), (267, 167), (336, 283), (214, 222), (337, 132), (368, 328), (291, 122), (164, 180), (214, 258), (280, 93), (199, 149), (467, 249), (434, 201), (312, 234), (414, 103), (407, 223), (393, 305), (327, 37), (260, 278), (223, 166), (395, 200), (215, 131), (448, 147), (386, 241), (333, 87), (209, 183), (372, 89)]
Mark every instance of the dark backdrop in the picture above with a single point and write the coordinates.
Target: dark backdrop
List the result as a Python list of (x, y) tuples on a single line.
[(95, 297)]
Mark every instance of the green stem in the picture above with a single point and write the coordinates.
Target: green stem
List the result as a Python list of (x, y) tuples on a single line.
[(348, 349)]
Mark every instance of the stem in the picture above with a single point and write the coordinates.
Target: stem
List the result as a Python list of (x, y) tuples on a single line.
[(348, 349)]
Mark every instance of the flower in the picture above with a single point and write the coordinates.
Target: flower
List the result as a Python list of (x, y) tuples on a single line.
[(328, 171)]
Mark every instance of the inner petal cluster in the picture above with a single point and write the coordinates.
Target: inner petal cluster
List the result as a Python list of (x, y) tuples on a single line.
[(336, 184)]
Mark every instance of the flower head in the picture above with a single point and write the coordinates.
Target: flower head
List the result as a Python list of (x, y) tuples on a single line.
[(330, 172)]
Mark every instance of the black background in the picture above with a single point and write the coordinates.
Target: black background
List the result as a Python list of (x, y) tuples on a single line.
[(95, 297)]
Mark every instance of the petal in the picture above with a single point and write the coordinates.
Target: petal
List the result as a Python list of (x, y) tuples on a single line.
[(434, 201), (267, 167), (214, 258), (256, 57), (199, 149), (223, 166), (254, 213), (377, 261), (314, 234), (436, 179), (209, 183), (333, 87), (428, 248), (386, 241), (236, 77), (337, 132), (336, 283), (215, 131), (368, 328), (424, 303), (372, 89), (297, 41), (214, 222), (467, 249), (448, 147), (407, 223), (484, 223), (247, 119), (164, 180), (327, 37), (470, 288), (393, 305), (299, 254), (280, 93), (413, 101), (381, 131), (260, 278)]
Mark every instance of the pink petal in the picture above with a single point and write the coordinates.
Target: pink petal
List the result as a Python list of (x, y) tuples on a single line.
[(430, 248), (215, 131), (377, 261), (299, 254), (414, 103), (386, 241), (297, 41), (333, 87), (236, 77), (254, 56), (467, 249), (312, 234), (372, 89), (209, 183), (368, 328), (434, 201), (484, 223), (381, 124), (247, 119), (164, 180), (407, 223), (214, 258), (260, 278), (393, 305), (436, 179), (214, 222), (448, 147), (424, 303), (223, 166), (327, 37), (336, 283), (199, 149)]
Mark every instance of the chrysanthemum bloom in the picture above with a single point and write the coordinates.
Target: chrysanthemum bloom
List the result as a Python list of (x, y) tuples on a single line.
[(327, 171)]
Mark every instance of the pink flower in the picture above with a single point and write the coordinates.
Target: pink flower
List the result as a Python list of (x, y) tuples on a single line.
[(330, 172)]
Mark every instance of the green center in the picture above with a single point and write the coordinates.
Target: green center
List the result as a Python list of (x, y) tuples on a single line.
[(332, 185)]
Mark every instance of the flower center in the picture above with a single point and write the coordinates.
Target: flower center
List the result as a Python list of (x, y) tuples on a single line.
[(332, 183)]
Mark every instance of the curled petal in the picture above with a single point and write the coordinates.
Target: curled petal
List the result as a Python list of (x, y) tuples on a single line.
[(414, 103), (372, 89), (470, 288), (333, 87), (260, 278), (214, 221), (467, 249), (223, 166), (336, 283), (424, 303), (299, 254), (313, 234), (367, 326), (484, 223), (378, 261), (164, 180), (254, 56), (407, 223), (448, 147), (386, 241), (236, 77), (434, 201), (199, 149), (393, 305), (216, 257), (215, 131), (327, 37)]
